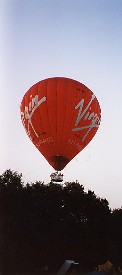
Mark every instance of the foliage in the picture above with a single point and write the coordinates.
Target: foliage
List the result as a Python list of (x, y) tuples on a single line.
[(43, 225)]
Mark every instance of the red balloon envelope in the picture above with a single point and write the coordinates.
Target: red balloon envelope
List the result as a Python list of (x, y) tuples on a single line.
[(60, 116)]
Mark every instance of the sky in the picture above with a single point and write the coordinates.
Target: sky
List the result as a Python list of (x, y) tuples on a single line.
[(78, 39)]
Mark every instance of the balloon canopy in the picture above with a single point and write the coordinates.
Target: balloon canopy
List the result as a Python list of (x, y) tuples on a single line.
[(60, 116)]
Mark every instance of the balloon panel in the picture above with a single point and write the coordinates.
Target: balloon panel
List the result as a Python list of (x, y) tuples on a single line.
[(60, 116)]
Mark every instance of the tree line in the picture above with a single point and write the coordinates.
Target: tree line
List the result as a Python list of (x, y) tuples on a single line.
[(43, 225)]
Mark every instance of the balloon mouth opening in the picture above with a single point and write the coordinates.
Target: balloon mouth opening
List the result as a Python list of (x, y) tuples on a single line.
[(58, 162)]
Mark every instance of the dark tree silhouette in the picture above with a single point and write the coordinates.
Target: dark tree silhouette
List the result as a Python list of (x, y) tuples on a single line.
[(43, 225)]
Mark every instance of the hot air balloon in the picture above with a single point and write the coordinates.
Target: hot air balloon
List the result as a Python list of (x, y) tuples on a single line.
[(60, 116)]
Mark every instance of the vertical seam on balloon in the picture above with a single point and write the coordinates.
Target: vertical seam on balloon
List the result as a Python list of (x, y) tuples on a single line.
[(64, 114), (58, 118), (38, 87), (42, 119), (56, 111), (50, 148), (39, 108), (75, 97), (63, 149)]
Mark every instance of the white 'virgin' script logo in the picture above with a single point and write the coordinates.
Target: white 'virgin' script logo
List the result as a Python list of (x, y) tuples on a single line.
[(95, 121), (29, 111)]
